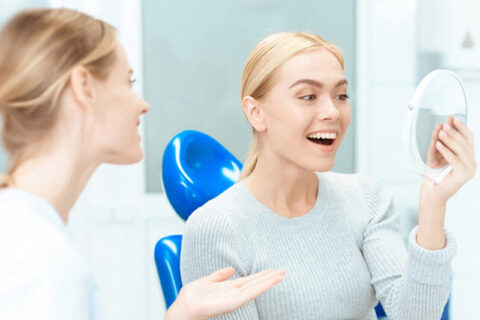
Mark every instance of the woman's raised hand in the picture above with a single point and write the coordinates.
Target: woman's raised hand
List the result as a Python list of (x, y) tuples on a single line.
[(454, 145), (214, 295)]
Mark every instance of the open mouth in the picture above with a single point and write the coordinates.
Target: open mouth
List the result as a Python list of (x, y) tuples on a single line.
[(325, 142), (325, 139)]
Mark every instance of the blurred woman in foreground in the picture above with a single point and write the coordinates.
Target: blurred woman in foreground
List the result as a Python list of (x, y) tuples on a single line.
[(67, 107)]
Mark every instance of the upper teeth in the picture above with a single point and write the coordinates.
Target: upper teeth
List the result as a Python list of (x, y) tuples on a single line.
[(323, 135)]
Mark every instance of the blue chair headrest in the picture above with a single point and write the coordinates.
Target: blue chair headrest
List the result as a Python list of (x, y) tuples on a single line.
[(195, 169)]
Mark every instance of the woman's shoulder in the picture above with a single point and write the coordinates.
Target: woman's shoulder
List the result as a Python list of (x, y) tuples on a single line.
[(35, 229), (219, 211), (40, 259), (36, 249)]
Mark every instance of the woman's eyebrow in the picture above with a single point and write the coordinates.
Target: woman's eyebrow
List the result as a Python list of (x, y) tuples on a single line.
[(316, 83)]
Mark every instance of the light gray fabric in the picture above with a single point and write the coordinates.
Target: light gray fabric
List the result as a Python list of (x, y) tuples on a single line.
[(339, 258)]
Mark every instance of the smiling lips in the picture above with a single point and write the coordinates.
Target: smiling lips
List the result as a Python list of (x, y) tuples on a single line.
[(322, 138)]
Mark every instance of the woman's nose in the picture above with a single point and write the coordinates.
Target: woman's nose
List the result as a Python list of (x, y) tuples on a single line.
[(328, 110), (145, 106)]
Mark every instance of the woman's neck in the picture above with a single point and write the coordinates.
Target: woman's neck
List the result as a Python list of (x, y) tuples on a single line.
[(285, 188), (58, 176)]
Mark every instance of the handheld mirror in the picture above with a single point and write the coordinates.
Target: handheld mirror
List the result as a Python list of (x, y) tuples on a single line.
[(439, 95)]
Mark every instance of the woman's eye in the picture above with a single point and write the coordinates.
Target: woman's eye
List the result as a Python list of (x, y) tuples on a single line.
[(309, 97), (342, 97)]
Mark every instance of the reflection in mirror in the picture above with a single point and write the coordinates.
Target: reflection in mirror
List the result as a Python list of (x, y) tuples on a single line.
[(438, 96)]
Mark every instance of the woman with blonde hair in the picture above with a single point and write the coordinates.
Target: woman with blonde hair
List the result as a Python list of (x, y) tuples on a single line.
[(336, 235), (67, 106)]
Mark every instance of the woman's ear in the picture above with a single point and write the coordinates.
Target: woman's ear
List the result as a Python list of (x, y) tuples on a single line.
[(82, 85), (254, 113)]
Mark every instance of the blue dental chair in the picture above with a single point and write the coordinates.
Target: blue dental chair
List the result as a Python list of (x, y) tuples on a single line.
[(196, 168)]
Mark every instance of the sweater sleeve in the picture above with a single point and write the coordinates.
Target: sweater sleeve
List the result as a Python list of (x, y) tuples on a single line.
[(410, 285), (210, 243)]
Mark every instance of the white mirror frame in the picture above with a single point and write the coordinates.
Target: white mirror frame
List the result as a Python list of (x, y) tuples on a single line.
[(413, 161)]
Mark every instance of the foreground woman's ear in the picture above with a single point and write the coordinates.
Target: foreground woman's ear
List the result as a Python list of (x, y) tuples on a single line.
[(82, 86), (254, 113)]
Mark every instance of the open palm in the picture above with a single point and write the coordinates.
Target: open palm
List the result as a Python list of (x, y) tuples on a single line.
[(214, 295)]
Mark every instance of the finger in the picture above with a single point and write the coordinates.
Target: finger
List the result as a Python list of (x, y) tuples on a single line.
[(256, 276), (467, 156), (435, 132), (221, 275), (438, 127), (258, 288), (264, 277), (241, 281), (251, 293), (463, 129), (453, 144), (448, 155), (456, 135)]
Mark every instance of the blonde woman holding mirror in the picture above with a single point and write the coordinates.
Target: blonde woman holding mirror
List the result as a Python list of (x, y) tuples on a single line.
[(67, 106), (336, 235)]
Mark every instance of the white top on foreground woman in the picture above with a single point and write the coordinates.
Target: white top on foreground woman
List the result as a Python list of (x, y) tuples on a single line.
[(67, 107), (336, 235)]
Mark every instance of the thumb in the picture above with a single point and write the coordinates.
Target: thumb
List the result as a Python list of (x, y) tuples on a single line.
[(221, 275)]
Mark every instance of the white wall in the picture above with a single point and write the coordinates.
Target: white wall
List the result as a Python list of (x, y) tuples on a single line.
[(386, 81), (464, 220)]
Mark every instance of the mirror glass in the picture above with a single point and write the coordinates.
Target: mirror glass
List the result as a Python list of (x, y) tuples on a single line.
[(439, 96)]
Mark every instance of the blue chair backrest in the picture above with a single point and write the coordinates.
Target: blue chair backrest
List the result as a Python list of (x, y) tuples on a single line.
[(195, 169), (167, 258)]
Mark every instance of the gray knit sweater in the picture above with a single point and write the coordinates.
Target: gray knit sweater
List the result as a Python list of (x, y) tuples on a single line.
[(339, 258)]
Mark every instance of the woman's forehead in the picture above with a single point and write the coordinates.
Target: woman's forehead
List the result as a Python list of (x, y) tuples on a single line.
[(122, 60), (319, 65)]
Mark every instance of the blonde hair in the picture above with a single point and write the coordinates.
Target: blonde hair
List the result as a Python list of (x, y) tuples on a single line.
[(267, 56), (39, 49)]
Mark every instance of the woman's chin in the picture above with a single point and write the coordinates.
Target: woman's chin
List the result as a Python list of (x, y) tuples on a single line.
[(135, 158), (324, 166), (126, 158)]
